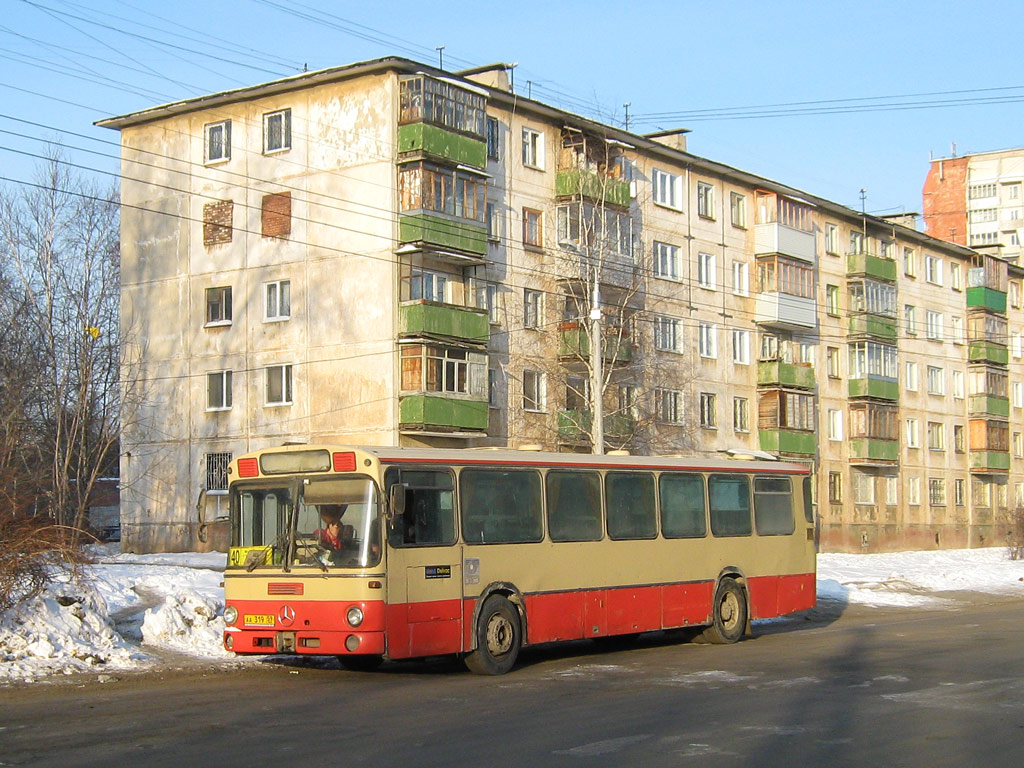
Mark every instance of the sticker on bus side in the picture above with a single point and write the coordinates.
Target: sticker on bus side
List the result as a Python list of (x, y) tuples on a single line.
[(438, 571)]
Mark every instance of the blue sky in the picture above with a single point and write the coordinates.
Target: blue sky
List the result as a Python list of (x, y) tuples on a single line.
[(67, 63)]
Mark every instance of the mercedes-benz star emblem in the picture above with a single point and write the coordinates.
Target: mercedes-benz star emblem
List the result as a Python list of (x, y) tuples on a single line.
[(286, 615)]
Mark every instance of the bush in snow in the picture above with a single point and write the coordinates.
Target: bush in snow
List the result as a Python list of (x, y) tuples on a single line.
[(30, 547)]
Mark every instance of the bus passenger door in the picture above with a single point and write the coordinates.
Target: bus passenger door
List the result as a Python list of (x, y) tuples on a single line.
[(425, 569)]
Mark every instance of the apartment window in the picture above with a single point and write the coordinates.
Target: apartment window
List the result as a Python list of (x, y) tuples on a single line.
[(276, 214), (217, 471), (441, 103), (863, 488), (785, 409), (533, 149), (857, 244), (933, 325), (428, 368), (1018, 445), (914, 491), (740, 278), (835, 488), (532, 229), (667, 189), (708, 410), (936, 491), (217, 222), (738, 209), (832, 239), (892, 484), (707, 340), (425, 284), (705, 200), (959, 492), (958, 438), (956, 328), (958, 385), (218, 141), (278, 304), (667, 334), (869, 359), (532, 308), (832, 362), (279, 385), (981, 191), (740, 414), (706, 270), (885, 249), (1017, 344), (1014, 286), (741, 347), (778, 274), (1018, 394), (218, 391), (913, 438), (982, 215), (534, 395), (492, 388), (493, 128), (984, 238), (277, 131), (933, 269), (936, 436), (667, 405), (218, 306), (911, 377), (457, 192), (490, 301), (956, 278), (628, 400), (494, 223), (835, 424), (910, 262), (910, 319), (577, 393), (936, 380), (832, 300)]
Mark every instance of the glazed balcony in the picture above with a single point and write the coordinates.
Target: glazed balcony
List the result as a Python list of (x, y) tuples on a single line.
[(434, 320), (778, 373), (596, 186), (439, 143), (869, 450), (774, 237), (871, 266), (574, 343), (788, 441), (441, 413)]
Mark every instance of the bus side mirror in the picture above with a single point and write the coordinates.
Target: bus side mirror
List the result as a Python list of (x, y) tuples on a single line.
[(396, 502), (201, 532)]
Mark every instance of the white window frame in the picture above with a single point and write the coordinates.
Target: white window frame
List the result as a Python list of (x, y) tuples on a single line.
[(285, 115), (1018, 394), (738, 210), (667, 405), (935, 379), (914, 491), (706, 200), (668, 334), (277, 294), (224, 302), (933, 269), (533, 148), (278, 376), (667, 189), (706, 265), (534, 391), (740, 414), (740, 278), (911, 377), (863, 488), (707, 340), (224, 126), (892, 485), (956, 329), (533, 308), (835, 424), (224, 377), (708, 410), (832, 239), (666, 261), (913, 433), (933, 325), (958, 385), (741, 346)]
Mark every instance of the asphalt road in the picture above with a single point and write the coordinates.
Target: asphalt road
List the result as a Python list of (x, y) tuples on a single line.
[(845, 687)]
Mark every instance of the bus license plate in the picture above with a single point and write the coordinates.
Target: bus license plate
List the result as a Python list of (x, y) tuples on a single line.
[(259, 620)]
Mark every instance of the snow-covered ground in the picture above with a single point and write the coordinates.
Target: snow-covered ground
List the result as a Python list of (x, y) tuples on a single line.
[(133, 612)]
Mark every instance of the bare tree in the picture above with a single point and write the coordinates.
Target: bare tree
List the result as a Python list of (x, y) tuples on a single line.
[(61, 293)]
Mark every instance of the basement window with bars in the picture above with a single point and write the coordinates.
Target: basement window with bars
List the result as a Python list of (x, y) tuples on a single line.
[(217, 472)]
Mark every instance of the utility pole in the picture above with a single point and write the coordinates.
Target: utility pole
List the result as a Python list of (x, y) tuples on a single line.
[(440, 55), (626, 105), (596, 364)]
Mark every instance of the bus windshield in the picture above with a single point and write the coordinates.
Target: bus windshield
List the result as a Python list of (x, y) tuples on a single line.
[(327, 523)]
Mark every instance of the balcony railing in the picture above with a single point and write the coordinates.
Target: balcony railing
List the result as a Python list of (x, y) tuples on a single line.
[(779, 238), (989, 405), (988, 352), (443, 321), (990, 461), (874, 450), (441, 143), (788, 441), (576, 181), (877, 326), (987, 298), (441, 413), (574, 342), (778, 373), (784, 310), (574, 426), (881, 389), (871, 266)]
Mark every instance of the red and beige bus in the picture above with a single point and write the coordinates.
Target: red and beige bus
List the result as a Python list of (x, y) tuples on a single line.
[(396, 553)]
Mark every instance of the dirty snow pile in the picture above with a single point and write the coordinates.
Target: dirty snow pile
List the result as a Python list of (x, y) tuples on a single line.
[(121, 614), (134, 612)]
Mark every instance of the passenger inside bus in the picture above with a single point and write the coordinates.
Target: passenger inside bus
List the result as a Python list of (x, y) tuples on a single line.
[(333, 535)]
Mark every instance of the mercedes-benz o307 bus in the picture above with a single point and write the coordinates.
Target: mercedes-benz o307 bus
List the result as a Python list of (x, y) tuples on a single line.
[(392, 553)]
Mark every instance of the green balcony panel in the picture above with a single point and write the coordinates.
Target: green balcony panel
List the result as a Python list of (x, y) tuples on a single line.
[(788, 441), (874, 450), (432, 140), (990, 461), (872, 266), (782, 374), (883, 389), (574, 341), (574, 426), (443, 320), (443, 232), (987, 298), (990, 405), (873, 325), (618, 426), (440, 412), (592, 185), (988, 352)]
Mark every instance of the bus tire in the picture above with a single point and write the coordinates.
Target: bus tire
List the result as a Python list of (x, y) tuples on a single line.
[(362, 662), (730, 614), (498, 638)]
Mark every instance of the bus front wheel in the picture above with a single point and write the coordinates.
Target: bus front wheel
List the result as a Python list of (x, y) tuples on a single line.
[(498, 638), (730, 614)]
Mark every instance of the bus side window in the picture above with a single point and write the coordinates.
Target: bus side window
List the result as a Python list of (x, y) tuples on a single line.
[(773, 506), (730, 505), (683, 505), (429, 517), (630, 500), (500, 506), (808, 500), (574, 506)]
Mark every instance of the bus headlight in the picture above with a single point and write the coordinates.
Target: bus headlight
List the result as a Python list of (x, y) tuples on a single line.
[(355, 616), (230, 615)]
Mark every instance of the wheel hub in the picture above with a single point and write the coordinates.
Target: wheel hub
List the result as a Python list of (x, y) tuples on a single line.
[(499, 635)]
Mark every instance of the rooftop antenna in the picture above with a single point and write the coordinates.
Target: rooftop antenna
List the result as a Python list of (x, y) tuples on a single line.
[(529, 89), (863, 212), (440, 56), (953, 148), (626, 105), (512, 76)]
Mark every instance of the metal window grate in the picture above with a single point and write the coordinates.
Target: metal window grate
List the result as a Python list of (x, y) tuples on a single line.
[(217, 471)]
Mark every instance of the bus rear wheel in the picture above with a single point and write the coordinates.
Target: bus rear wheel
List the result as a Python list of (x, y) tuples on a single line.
[(498, 638), (730, 614)]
